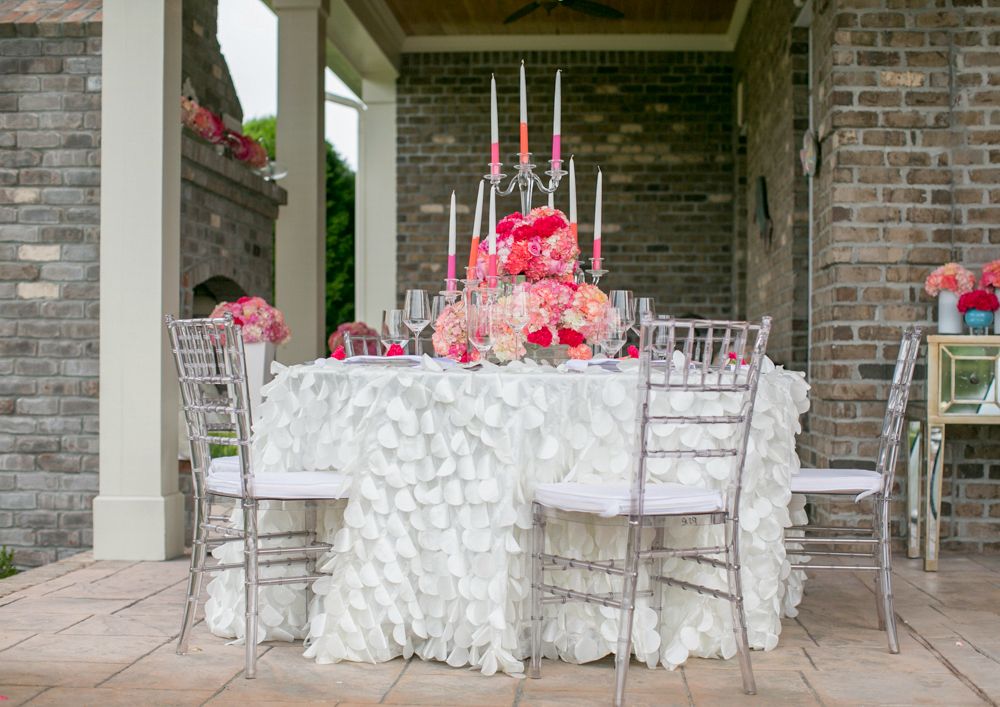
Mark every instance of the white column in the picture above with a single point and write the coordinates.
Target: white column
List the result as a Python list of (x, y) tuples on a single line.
[(375, 202), (300, 249), (139, 514)]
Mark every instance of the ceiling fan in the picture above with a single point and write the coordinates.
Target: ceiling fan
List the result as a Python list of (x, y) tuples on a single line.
[(587, 7)]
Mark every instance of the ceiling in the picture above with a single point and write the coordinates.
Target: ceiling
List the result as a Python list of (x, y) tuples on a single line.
[(485, 17)]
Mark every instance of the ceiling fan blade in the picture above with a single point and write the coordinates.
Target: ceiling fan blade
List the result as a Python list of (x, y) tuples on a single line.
[(588, 7), (526, 10)]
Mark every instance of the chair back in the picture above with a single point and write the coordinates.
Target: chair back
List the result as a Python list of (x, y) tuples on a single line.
[(895, 409), (360, 345), (685, 358), (211, 370)]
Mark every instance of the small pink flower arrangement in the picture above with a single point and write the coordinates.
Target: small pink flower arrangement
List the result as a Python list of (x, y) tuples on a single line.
[(336, 339), (991, 275), (950, 277), (983, 300), (211, 127), (539, 245), (259, 320)]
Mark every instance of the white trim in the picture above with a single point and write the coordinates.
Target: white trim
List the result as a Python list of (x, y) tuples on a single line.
[(736, 22), (367, 55), (422, 44)]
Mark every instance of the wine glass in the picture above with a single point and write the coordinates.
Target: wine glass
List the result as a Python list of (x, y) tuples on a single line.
[(394, 329), (615, 331), (644, 309), (624, 302), (661, 338), (519, 311), (480, 322), (417, 311)]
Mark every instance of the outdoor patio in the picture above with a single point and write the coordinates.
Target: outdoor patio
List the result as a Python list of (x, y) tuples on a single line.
[(102, 632)]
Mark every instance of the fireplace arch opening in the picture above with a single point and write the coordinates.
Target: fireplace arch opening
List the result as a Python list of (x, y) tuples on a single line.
[(209, 293)]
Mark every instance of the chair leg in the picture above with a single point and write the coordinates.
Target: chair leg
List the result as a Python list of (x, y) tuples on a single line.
[(250, 541), (885, 580), (623, 654), (656, 602), (879, 593), (194, 575), (739, 615), (537, 548)]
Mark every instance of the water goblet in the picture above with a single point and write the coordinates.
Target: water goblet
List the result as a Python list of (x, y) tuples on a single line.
[(615, 331), (394, 329), (644, 309), (623, 301), (418, 314), (480, 322), (519, 311)]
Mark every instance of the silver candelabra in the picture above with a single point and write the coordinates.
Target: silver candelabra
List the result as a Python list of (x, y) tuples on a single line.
[(526, 180)]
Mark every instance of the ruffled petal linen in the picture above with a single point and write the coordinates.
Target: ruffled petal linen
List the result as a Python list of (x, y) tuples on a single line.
[(431, 553)]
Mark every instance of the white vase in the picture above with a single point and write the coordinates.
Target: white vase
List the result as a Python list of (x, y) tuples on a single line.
[(259, 356), (949, 318)]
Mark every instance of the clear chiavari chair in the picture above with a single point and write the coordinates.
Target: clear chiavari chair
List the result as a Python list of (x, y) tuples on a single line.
[(211, 370), (862, 548), (676, 356), (360, 345)]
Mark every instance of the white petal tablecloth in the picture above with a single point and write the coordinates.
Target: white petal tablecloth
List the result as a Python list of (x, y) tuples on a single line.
[(431, 551)]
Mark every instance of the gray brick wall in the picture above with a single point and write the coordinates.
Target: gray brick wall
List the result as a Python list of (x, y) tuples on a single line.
[(658, 123), (50, 102), (907, 102)]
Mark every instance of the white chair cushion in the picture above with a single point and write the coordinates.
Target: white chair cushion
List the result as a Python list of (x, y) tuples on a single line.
[(224, 478), (608, 500), (859, 481)]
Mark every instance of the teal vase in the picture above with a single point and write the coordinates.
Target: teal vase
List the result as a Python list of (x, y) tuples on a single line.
[(978, 319)]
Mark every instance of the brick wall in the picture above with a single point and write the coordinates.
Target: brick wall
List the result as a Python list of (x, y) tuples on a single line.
[(204, 65), (227, 226), (771, 61), (50, 100), (907, 96), (659, 124)]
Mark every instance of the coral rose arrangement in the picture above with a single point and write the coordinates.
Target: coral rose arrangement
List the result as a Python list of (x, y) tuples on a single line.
[(210, 127), (982, 300), (539, 245), (259, 320), (991, 275), (950, 277)]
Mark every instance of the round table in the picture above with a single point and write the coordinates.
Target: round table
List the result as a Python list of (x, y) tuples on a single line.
[(430, 554)]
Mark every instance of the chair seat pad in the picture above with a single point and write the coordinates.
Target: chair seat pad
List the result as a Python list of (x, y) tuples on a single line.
[(836, 481), (224, 478), (608, 500)]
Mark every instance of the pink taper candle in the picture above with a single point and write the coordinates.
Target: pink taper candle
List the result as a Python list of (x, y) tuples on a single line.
[(474, 250), (597, 218), (524, 118), (492, 265), (557, 120), (572, 200), (494, 130), (451, 239)]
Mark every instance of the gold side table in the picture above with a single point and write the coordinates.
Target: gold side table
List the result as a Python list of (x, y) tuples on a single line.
[(962, 389)]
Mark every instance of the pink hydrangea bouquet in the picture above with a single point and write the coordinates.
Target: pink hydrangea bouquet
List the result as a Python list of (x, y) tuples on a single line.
[(539, 245), (354, 329), (561, 313), (991, 275), (259, 320), (951, 277)]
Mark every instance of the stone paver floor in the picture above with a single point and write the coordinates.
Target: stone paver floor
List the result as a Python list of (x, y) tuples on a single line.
[(82, 632)]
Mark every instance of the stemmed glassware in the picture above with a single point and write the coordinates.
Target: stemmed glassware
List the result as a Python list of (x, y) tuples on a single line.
[(624, 302), (438, 304), (480, 321), (615, 330), (518, 311), (394, 329), (643, 309), (417, 311)]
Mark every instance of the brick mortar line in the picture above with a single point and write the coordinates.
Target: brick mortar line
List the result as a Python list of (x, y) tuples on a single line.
[(396, 681), (962, 677), (45, 573), (811, 688)]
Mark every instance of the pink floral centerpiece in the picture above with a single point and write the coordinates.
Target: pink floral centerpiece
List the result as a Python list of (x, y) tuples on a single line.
[(260, 321), (211, 127), (539, 245), (991, 275)]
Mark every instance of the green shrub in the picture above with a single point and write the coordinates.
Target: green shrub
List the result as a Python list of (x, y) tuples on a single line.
[(7, 568)]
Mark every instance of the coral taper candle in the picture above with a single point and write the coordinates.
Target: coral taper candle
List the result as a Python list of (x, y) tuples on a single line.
[(572, 199), (474, 250), (524, 118), (597, 218), (492, 271), (451, 238), (557, 119), (494, 130)]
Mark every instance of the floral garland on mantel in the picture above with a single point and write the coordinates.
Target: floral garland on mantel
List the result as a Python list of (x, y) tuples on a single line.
[(210, 127)]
